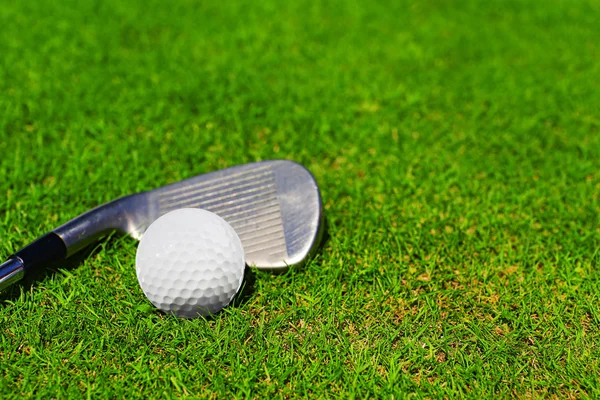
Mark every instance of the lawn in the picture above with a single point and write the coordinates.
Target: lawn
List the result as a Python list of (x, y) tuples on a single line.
[(457, 146)]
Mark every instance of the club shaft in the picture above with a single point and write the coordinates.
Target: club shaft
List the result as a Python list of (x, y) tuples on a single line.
[(69, 238)]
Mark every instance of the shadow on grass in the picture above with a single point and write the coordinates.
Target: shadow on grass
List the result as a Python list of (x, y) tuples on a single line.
[(247, 289), (325, 237), (30, 279), (248, 286)]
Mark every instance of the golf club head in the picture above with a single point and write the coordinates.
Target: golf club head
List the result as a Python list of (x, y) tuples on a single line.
[(274, 206)]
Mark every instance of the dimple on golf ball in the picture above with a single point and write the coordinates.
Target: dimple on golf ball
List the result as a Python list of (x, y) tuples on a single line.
[(190, 262)]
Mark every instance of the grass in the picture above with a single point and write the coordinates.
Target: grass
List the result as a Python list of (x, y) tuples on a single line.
[(457, 146)]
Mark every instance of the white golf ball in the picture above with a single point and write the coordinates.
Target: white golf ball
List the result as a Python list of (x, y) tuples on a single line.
[(190, 262)]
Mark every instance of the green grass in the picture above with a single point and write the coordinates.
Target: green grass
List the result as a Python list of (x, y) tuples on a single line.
[(457, 145)]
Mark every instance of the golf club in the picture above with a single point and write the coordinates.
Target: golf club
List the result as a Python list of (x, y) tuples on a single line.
[(274, 206)]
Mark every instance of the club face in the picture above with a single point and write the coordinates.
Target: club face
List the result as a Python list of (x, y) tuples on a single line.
[(274, 206)]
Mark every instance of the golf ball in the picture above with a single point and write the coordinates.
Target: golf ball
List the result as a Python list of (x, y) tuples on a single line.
[(190, 262)]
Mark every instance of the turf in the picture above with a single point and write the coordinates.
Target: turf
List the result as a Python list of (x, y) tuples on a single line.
[(457, 146)]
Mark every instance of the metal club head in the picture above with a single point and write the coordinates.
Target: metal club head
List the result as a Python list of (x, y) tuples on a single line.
[(274, 206)]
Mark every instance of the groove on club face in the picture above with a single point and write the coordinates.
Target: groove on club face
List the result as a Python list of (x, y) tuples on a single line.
[(206, 191)]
